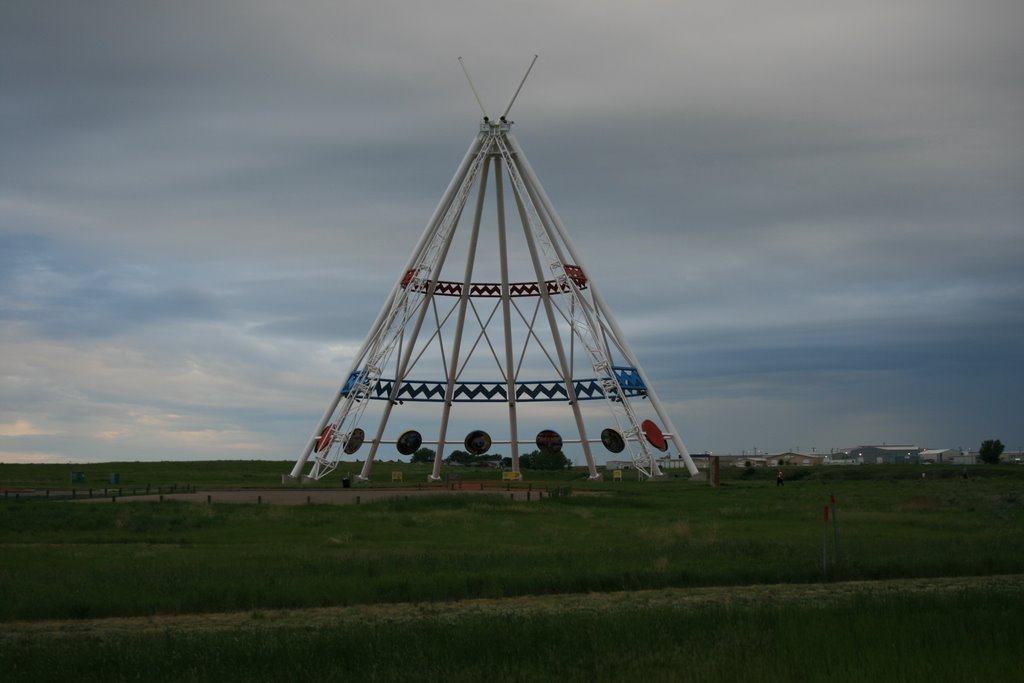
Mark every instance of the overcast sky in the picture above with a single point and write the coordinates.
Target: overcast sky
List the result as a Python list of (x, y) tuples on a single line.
[(808, 216)]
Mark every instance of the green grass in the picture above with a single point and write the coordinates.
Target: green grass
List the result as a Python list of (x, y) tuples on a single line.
[(164, 558), (971, 635), (70, 561)]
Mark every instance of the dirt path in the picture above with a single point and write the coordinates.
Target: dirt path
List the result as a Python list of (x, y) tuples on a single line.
[(817, 594), (317, 496)]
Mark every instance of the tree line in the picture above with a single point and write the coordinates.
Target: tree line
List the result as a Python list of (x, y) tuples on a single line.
[(534, 460)]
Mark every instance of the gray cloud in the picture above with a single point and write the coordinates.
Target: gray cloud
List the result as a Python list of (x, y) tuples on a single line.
[(803, 215)]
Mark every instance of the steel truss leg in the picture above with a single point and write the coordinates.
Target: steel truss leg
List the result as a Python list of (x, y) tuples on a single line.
[(556, 336), (620, 338), (413, 337), (432, 225)]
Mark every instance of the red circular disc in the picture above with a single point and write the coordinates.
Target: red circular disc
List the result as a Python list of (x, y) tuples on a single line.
[(654, 435), (326, 437)]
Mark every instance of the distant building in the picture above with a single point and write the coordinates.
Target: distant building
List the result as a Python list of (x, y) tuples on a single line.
[(940, 455), (887, 455), (962, 458), (791, 458)]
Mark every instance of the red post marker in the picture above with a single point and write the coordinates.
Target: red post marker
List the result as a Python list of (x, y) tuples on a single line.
[(835, 533), (826, 513)]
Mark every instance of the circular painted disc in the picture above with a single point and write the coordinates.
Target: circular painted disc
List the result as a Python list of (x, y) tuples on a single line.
[(612, 440), (355, 440), (478, 442), (326, 438), (409, 442), (654, 435), (549, 441)]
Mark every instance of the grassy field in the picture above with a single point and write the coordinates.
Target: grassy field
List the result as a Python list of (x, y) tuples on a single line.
[(598, 585), (229, 474)]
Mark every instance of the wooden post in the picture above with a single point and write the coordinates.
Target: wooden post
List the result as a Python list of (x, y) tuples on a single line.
[(824, 546)]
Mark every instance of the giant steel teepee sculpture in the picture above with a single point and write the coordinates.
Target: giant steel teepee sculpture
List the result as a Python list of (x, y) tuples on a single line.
[(531, 343)]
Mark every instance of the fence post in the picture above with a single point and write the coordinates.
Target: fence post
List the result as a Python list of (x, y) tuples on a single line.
[(835, 533), (824, 546)]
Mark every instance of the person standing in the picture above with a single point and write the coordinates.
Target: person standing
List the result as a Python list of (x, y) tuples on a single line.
[(779, 480)]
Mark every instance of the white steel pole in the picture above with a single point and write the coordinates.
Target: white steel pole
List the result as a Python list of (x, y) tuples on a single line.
[(616, 330), (439, 211), (506, 313), (304, 456), (446, 200), (600, 352), (414, 335), (453, 367), (545, 297)]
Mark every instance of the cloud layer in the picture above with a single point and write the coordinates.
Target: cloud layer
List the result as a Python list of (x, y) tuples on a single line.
[(808, 218)]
